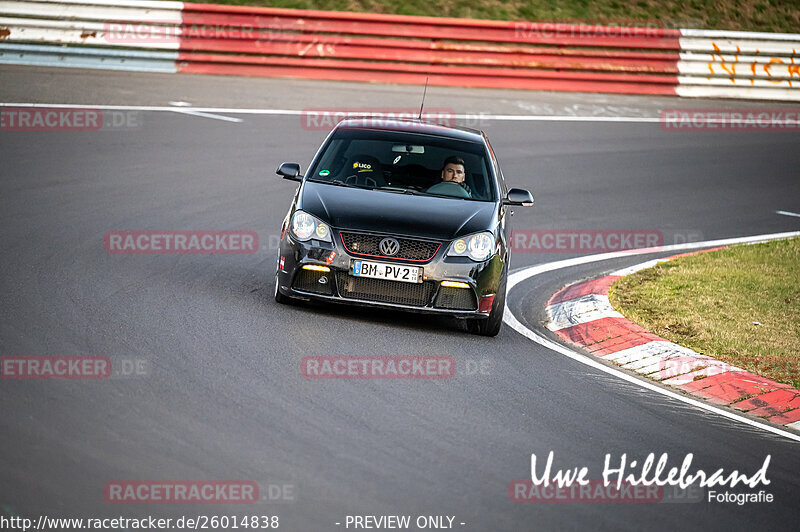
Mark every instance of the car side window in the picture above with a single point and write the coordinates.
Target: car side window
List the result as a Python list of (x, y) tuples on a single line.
[(497, 170)]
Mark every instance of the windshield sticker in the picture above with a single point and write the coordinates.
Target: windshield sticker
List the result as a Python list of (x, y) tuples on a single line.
[(324, 173), (397, 159)]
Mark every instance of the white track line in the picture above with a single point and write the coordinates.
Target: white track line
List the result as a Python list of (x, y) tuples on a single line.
[(526, 273), (300, 112), (155, 108), (787, 213), (460, 116), (195, 112)]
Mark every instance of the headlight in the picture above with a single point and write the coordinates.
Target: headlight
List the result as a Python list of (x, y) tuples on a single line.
[(478, 247), (305, 226)]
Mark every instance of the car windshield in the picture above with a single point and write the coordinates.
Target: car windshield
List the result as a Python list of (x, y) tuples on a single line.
[(408, 163)]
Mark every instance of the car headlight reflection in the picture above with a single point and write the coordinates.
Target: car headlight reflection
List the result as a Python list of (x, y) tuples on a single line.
[(305, 227), (478, 247)]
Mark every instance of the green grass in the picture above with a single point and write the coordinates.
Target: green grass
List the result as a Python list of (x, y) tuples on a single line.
[(746, 15), (740, 305)]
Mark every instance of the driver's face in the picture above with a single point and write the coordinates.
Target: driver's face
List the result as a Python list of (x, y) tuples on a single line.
[(453, 172)]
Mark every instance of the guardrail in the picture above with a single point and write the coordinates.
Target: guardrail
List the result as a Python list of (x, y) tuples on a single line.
[(166, 36)]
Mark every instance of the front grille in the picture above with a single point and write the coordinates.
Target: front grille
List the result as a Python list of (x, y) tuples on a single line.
[(308, 281), (410, 248), (456, 299), (380, 290)]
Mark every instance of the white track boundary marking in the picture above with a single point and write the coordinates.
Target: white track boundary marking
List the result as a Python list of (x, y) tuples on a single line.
[(195, 112), (526, 273), (787, 213), (299, 112), (460, 116)]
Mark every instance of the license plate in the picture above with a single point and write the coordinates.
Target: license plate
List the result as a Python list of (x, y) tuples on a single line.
[(390, 272)]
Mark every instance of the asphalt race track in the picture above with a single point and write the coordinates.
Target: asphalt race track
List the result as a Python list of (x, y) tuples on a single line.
[(221, 396)]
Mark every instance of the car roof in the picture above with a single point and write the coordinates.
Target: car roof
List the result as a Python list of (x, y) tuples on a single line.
[(411, 125)]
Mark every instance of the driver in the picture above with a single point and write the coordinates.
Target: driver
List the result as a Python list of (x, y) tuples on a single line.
[(454, 170)]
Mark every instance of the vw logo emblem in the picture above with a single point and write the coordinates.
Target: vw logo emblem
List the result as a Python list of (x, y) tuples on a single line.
[(389, 247)]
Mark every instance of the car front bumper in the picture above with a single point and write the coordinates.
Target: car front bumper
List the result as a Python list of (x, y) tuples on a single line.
[(339, 285)]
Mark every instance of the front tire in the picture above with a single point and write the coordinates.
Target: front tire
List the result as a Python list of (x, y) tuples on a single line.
[(491, 326)]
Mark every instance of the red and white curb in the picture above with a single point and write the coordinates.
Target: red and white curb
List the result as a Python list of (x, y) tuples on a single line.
[(582, 315)]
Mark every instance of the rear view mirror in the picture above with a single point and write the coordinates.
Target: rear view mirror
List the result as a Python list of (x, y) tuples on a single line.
[(408, 148), (519, 196), (290, 171)]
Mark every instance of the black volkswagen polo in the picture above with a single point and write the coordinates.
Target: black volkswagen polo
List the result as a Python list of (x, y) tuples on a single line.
[(401, 214)]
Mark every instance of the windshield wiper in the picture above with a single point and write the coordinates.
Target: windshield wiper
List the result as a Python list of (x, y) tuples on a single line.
[(342, 184), (402, 190)]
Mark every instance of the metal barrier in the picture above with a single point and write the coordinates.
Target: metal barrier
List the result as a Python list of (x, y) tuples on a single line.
[(167, 36)]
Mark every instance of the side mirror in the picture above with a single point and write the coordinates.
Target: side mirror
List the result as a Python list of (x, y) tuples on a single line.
[(289, 171), (519, 196)]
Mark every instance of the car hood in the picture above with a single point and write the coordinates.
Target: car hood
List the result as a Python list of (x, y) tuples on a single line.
[(390, 212)]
